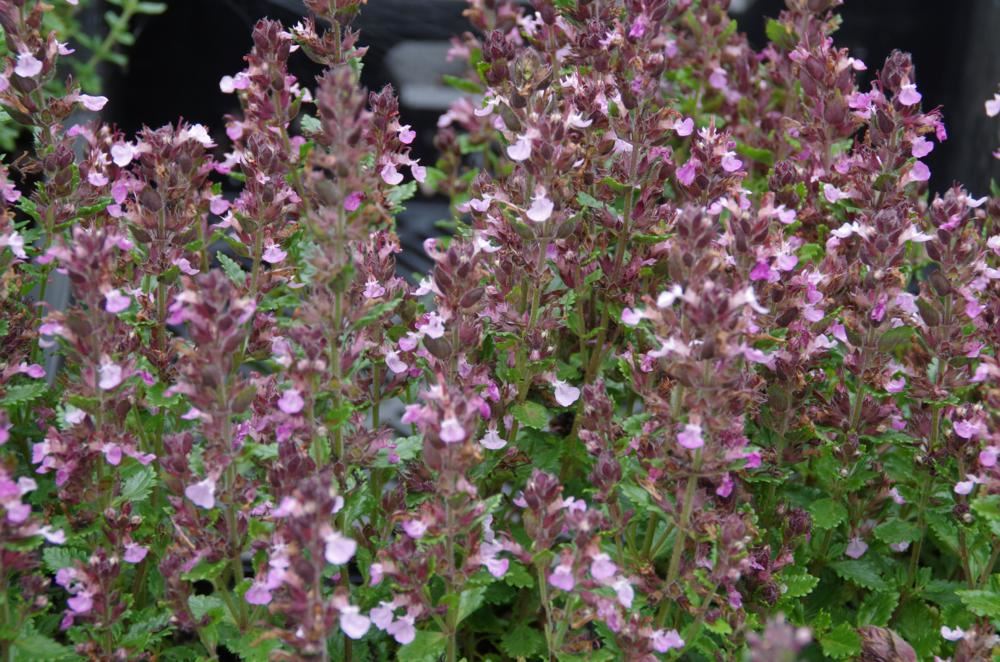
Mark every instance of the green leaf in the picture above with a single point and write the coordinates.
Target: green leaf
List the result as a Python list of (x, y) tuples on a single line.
[(531, 415), (587, 200), (798, 585), (206, 605), (987, 508), (841, 642), (400, 194), (137, 486), (877, 608), (57, 558), (896, 531), (982, 603), (469, 601), (895, 337), (827, 513), (426, 647), (523, 641), (21, 394), (205, 570), (757, 154), (518, 576), (462, 84), (310, 125), (864, 573), (231, 268), (36, 647), (779, 35)]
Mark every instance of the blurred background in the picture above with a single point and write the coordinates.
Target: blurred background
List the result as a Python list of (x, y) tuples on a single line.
[(180, 55)]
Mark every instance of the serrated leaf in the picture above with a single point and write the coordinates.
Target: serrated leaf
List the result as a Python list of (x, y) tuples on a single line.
[(57, 557), (462, 84), (469, 601), (798, 585), (877, 608), (864, 573), (206, 605), (841, 642), (36, 647), (587, 200), (400, 194), (758, 154), (779, 35), (518, 576), (137, 486), (21, 394), (231, 268), (827, 513), (982, 603), (987, 508), (895, 337), (896, 531), (531, 415), (523, 641), (425, 647), (205, 571), (309, 124)]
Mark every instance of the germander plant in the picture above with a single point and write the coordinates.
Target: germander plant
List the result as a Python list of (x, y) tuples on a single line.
[(701, 372)]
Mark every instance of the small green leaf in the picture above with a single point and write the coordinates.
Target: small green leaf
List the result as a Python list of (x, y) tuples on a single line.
[(21, 394), (841, 642), (896, 531), (982, 603), (861, 572), (895, 337), (426, 647), (523, 642), (57, 558), (587, 200), (780, 35), (137, 486), (798, 585), (877, 608), (758, 154), (462, 84), (531, 415), (518, 576), (206, 605), (35, 647), (231, 268), (827, 513), (469, 601)]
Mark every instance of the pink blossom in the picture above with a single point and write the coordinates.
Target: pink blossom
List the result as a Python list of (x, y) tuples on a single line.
[(339, 548), (895, 385), (730, 163), (965, 487), (415, 528), (988, 456), (856, 548), (908, 94), (113, 454), (406, 134), (833, 194), (218, 205), (521, 149), (15, 242), (110, 375), (763, 271), (967, 429), (725, 488), (631, 316), (562, 577), (390, 175), (419, 172), (92, 103), (185, 267), (115, 302), (691, 436), (202, 493), (273, 253), (565, 394), (81, 603), (28, 66), (492, 440), (433, 327), (452, 431), (684, 127), (717, 79), (919, 172), (394, 363), (353, 623), (993, 106), (402, 630), (668, 297), (541, 207), (353, 201), (373, 289), (32, 370), (291, 402), (921, 147), (122, 154), (664, 641), (686, 173), (950, 634), (258, 594), (602, 568), (897, 498), (135, 553)]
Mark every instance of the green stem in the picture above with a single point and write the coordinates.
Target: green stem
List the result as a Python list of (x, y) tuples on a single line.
[(673, 570)]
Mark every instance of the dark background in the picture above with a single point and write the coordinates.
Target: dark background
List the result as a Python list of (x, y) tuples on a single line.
[(180, 56)]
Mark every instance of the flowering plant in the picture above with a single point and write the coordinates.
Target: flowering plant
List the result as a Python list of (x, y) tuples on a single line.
[(701, 373)]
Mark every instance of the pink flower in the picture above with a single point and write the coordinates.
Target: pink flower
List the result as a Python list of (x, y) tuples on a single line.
[(520, 150), (81, 603), (967, 429), (415, 528), (353, 201), (273, 253), (664, 641), (624, 592), (833, 194), (632, 316), (965, 487), (452, 431), (919, 172), (373, 289), (717, 79), (339, 548), (113, 454), (856, 548), (566, 394), (353, 623), (993, 106), (122, 154), (433, 327), (115, 302), (394, 363), (602, 568), (541, 207), (28, 66), (135, 553), (691, 437), (291, 402), (390, 175), (921, 147), (952, 635), (988, 456), (201, 494), (406, 134), (895, 385), (684, 127), (185, 267), (730, 163), (110, 375), (908, 95), (258, 594), (15, 242), (32, 370), (218, 205), (92, 103), (686, 173), (562, 577), (492, 440), (402, 630)]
